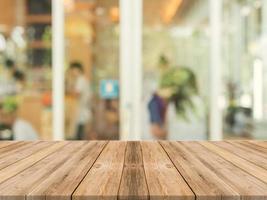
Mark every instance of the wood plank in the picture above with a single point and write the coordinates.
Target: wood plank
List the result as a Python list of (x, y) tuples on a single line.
[(254, 148), (133, 183), (6, 143), (21, 165), (9, 148), (248, 154), (163, 180), (260, 147), (24, 151), (204, 182), (247, 166), (263, 142), (248, 186), (17, 187), (105, 175), (61, 183), (84, 170)]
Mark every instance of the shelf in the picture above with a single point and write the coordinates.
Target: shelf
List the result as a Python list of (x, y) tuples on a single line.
[(39, 19), (38, 44)]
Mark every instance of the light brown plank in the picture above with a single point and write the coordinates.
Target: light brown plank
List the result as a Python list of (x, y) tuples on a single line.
[(20, 185), (205, 183), (253, 148), (248, 154), (21, 165), (259, 147), (103, 180), (247, 166), (24, 151), (6, 143), (262, 143), (12, 147), (61, 183), (163, 179), (248, 186), (133, 183)]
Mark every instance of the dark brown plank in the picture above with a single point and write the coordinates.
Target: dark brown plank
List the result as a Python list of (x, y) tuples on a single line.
[(133, 183), (103, 180), (163, 180), (204, 182)]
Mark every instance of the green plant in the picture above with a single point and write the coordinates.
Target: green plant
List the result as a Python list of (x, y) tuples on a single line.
[(47, 39), (182, 83), (9, 104)]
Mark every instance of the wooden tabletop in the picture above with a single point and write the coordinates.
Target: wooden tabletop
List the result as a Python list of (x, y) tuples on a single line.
[(133, 170)]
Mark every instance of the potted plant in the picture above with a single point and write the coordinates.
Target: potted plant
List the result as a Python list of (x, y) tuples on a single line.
[(181, 81)]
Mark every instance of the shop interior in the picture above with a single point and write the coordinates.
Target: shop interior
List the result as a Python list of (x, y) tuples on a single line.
[(176, 44)]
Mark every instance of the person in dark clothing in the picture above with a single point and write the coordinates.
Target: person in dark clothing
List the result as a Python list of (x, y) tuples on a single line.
[(157, 109)]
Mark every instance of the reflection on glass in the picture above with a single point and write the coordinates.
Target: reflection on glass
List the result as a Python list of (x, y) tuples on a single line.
[(91, 35), (25, 65)]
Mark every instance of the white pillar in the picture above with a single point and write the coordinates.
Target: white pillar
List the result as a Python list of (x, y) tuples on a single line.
[(131, 69), (263, 56), (215, 117), (58, 68)]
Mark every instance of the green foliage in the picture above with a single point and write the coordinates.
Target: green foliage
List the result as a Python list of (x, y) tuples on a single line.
[(9, 104), (47, 38), (182, 82)]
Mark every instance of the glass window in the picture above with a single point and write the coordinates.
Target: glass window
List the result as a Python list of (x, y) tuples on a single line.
[(25, 69), (92, 69)]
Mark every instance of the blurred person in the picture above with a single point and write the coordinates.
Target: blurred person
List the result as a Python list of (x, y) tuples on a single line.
[(157, 107), (106, 124), (10, 67), (177, 87), (19, 78), (20, 129), (80, 90)]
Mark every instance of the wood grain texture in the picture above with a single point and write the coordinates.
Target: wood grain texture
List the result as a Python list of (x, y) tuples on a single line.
[(62, 182), (258, 146), (248, 186), (37, 173), (7, 149), (133, 182), (163, 180), (21, 165), (204, 182), (89, 170), (20, 153), (247, 166), (246, 153), (6, 143), (103, 180)]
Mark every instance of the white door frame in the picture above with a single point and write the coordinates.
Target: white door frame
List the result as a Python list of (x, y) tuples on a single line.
[(215, 113), (131, 70), (58, 59)]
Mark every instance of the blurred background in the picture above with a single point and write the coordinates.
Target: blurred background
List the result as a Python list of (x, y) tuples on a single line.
[(148, 69)]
